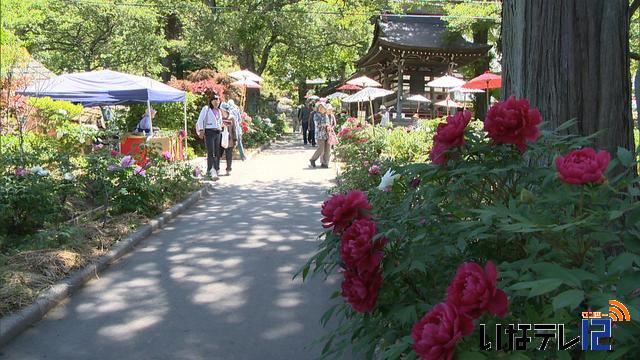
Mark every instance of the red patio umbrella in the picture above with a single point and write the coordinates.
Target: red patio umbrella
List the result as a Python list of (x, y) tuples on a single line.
[(349, 87), (485, 81)]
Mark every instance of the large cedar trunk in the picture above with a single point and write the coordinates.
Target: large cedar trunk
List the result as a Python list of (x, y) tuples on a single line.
[(637, 86), (570, 58)]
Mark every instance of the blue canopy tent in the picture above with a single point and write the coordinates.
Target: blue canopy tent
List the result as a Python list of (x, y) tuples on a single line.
[(106, 87)]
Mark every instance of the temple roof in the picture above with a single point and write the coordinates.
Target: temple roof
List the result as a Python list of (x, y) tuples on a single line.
[(419, 35)]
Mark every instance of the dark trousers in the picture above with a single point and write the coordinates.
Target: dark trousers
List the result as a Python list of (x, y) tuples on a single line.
[(228, 152), (305, 130), (312, 133), (212, 141)]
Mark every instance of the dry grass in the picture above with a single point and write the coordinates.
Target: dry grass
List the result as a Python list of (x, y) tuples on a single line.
[(28, 273)]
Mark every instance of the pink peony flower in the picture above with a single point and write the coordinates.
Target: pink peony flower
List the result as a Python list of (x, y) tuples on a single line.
[(473, 291), (114, 153), (166, 155), (374, 170), (512, 122), (357, 250), (139, 171), (583, 166), (365, 163), (361, 289), (20, 171), (127, 161), (344, 132), (449, 135), (435, 336), (98, 146), (341, 210)]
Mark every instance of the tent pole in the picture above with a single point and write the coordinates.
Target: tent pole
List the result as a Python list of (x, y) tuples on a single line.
[(184, 150), (150, 119)]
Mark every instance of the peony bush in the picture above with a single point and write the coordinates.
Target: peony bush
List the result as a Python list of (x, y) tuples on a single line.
[(514, 224)]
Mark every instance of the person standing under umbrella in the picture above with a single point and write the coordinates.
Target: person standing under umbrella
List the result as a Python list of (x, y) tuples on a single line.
[(208, 127), (321, 120)]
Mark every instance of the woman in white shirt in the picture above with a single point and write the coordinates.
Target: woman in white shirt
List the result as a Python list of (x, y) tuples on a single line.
[(208, 127)]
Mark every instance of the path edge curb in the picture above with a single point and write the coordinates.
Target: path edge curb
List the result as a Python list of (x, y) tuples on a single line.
[(14, 324)]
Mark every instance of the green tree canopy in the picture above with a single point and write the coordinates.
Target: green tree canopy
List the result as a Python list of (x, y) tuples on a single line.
[(74, 35)]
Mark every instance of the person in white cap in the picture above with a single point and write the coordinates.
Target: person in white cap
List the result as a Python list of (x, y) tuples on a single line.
[(322, 123), (384, 116)]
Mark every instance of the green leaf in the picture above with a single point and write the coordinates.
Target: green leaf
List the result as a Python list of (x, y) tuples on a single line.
[(571, 298), (538, 287), (470, 355), (623, 262), (625, 157), (550, 270), (395, 350), (545, 286), (615, 214), (632, 243)]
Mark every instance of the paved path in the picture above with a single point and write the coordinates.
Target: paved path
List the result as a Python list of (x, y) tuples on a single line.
[(215, 283)]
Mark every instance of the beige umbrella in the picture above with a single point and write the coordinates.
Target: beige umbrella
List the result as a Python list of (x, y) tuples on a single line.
[(448, 103), (418, 99), (246, 75), (368, 94), (245, 84), (364, 81), (446, 81)]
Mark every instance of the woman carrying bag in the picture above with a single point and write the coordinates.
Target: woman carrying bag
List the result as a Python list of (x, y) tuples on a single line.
[(229, 136), (208, 127)]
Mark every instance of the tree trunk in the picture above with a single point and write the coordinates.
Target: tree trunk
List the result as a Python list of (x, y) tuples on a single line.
[(172, 62), (481, 36), (637, 82), (570, 58)]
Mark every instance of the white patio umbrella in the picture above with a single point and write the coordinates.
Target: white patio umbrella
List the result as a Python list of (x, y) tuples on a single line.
[(465, 91), (418, 99), (368, 94), (246, 75), (338, 95), (448, 103), (364, 81), (446, 81)]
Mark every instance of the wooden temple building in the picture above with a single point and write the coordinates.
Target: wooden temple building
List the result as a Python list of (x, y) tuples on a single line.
[(408, 51)]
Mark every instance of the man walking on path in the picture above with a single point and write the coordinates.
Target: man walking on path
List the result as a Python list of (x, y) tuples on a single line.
[(214, 283), (304, 116)]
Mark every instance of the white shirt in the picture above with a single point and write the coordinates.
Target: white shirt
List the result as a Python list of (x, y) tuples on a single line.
[(209, 119), (145, 123), (385, 119)]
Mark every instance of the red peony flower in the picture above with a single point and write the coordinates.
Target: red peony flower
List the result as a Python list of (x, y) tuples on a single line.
[(357, 250), (361, 289), (437, 153), (449, 135), (473, 291), (374, 170), (435, 336), (583, 166), (344, 132), (341, 210), (512, 122)]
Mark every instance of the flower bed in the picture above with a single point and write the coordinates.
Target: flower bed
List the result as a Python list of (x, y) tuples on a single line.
[(46, 186), (511, 225)]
